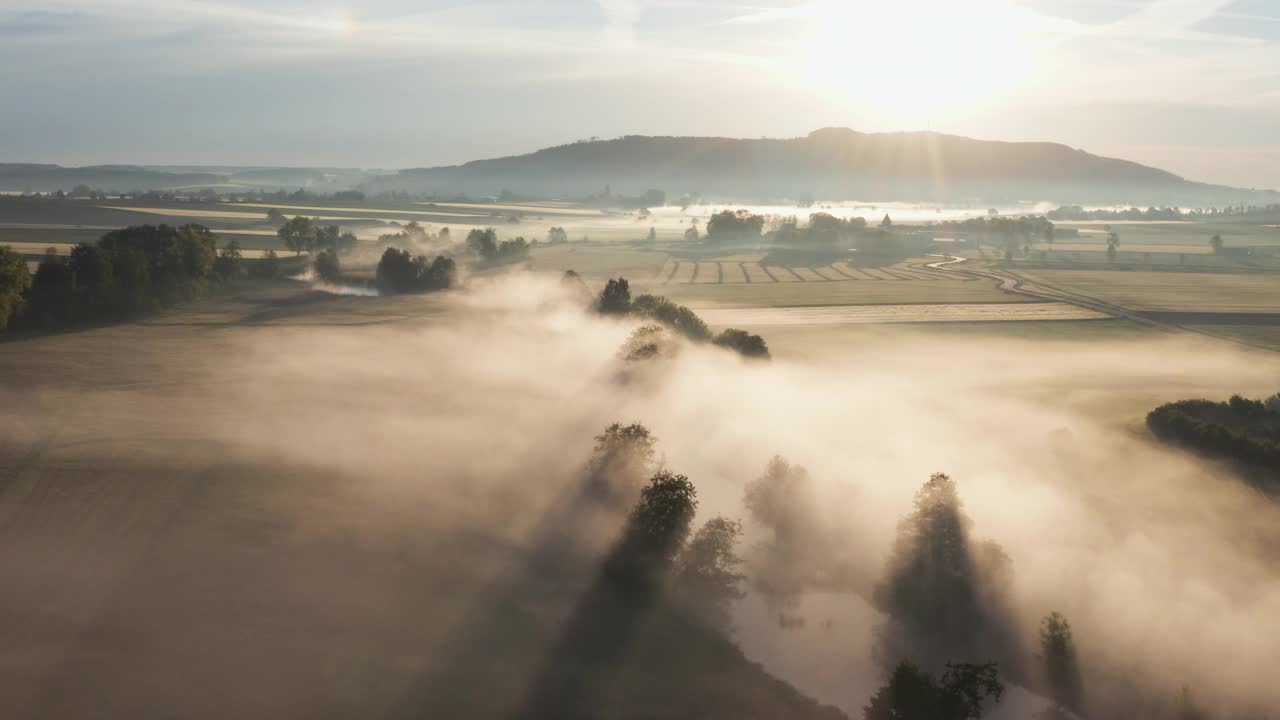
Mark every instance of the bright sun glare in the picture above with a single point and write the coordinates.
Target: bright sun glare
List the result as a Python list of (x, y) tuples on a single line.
[(917, 56)]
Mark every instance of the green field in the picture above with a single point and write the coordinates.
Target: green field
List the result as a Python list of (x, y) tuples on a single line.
[(1265, 336), (817, 342), (1172, 291), (848, 292)]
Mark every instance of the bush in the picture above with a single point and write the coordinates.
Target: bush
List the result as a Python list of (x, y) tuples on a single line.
[(615, 298), (677, 317), (327, 266), (746, 344), (399, 272)]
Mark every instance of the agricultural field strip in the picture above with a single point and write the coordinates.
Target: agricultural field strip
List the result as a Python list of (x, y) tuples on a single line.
[(917, 313), (783, 274), (366, 210), (712, 272), (532, 209), (30, 248)]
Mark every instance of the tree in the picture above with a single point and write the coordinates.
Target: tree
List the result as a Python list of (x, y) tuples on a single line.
[(677, 317), (227, 264), (299, 234), (268, 267), (652, 236), (1062, 671), (746, 344), (646, 342), (326, 265), (912, 694), (50, 299), (347, 242), (327, 237), (886, 223), (623, 456), (557, 235), (399, 272), (656, 531), (15, 280), (483, 242), (274, 215), (615, 298), (1113, 243), (1216, 243), (708, 577), (730, 226), (942, 594), (93, 279)]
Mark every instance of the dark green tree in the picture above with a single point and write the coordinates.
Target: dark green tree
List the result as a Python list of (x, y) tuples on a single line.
[(943, 595), (15, 281), (299, 234), (1216, 243), (708, 576), (615, 298), (913, 694), (743, 342), (327, 266), (227, 264), (656, 531), (677, 317), (269, 266), (483, 242), (1061, 668)]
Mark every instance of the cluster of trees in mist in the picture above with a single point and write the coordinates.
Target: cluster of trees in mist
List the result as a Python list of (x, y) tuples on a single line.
[(1013, 234), (1243, 431), (1076, 212), (126, 273), (615, 299), (948, 640), (823, 232), (400, 272), (485, 243), (323, 242)]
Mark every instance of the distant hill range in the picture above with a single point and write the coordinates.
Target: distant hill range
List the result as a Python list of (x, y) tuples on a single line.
[(26, 177), (827, 164)]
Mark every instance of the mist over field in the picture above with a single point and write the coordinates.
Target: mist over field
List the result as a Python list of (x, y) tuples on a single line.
[(403, 473)]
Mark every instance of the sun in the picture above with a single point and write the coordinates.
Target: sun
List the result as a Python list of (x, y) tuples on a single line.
[(916, 57)]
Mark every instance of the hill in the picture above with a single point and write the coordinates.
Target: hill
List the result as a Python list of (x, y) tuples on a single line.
[(30, 177), (832, 163)]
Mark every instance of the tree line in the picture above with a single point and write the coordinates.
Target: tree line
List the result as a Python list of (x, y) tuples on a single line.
[(1243, 431), (126, 273), (615, 299), (939, 593)]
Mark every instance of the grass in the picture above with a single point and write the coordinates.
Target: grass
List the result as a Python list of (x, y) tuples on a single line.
[(874, 314), (848, 292), (1267, 336), (599, 262), (1172, 291), (815, 342), (1181, 233)]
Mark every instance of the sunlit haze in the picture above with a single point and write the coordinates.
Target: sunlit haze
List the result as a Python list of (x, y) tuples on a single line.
[(1186, 85)]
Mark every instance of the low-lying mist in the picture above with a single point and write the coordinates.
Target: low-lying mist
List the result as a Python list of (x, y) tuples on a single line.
[(478, 421)]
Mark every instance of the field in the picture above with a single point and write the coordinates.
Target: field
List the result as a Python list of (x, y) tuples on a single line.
[(918, 313), (1161, 266), (1172, 291), (850, 292)]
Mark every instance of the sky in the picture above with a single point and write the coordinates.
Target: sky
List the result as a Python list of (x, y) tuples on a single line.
[(1191, 86)]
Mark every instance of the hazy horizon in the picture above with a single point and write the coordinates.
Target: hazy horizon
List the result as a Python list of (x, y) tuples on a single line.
[(1182, 85)]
